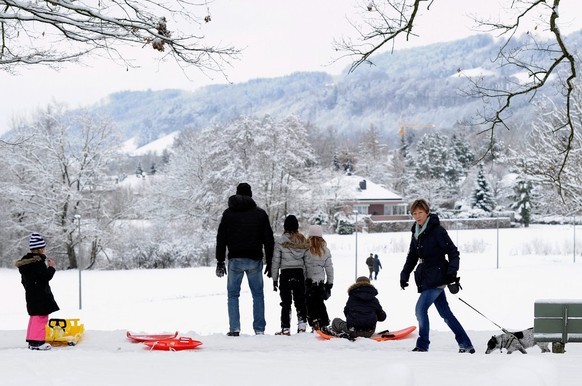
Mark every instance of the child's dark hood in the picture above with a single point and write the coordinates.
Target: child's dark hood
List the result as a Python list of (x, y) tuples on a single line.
[(364, 291), (30, 259)]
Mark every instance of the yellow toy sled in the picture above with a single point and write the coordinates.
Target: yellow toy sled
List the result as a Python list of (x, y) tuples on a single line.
[(64, 331)]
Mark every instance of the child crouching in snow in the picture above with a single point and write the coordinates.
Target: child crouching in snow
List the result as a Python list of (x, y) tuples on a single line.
[(362, 311)]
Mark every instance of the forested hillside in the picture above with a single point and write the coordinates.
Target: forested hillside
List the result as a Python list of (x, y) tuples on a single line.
[(419, 86)]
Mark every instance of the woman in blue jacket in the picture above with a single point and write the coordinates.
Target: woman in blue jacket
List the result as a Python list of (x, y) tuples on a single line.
[(429, 247)]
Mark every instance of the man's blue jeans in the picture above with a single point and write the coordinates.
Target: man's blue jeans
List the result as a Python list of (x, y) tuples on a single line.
[(437, 297), (237, 267)]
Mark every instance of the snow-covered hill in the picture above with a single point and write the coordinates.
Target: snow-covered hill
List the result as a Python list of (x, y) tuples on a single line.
[(418, 86), (156, 147)]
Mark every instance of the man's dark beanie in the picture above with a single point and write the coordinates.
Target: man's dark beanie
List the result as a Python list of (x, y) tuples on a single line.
[(244, 189), (291, 224)]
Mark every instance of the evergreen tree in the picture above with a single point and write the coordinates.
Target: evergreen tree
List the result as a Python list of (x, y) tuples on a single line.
[(402, 169), (522, 203), (139, 171), (437, 170), (482, 198), (462, 151), (372, 156), (436, 159)]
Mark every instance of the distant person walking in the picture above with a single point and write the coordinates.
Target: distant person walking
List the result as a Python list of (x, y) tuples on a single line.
[(36, 271), (319, 281), (289, 258), (377, 266), (370, 264), (245, 230), (429, 246)]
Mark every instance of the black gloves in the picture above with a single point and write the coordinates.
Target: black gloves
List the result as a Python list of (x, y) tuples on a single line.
[(403, 284), (455, 286), (268, 270), (451, 278), (327, 290), (275, 285), (220, 269)]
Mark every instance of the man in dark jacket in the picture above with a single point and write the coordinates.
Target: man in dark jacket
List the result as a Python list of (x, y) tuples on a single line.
[(429, 247), (40, 301), (362, 311), (245, 230)]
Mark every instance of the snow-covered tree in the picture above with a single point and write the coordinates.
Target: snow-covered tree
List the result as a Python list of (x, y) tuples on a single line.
[(542, 159), (482, 198), (372, 155), (435, 159), (402, 168), (522, 200), (437, 170), (57, 171), (139, 171), (273, 156), (463, 152)]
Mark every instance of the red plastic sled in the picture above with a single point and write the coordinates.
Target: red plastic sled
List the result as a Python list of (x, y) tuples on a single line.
[(392, 335), (150, 337), (182, 343)]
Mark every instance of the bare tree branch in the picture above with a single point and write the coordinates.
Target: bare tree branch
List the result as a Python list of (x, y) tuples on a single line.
[(57, 31), (384, 24), (542, 61)]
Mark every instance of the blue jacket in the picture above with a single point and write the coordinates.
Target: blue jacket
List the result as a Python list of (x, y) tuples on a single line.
[(430, 252), (362, 309)]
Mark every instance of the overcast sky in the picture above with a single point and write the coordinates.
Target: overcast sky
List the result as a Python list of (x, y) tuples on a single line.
[(278, 36)]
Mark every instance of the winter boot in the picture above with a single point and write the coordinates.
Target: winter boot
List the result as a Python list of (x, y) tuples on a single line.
[(301, 327), (284, 331), (328, 331), (315, 326), (233, 333), (41, 347)]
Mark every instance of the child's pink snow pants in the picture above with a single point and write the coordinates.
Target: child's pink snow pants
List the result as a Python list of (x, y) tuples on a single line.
[(36, 327)]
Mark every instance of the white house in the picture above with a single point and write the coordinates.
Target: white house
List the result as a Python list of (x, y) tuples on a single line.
[(366, 197)]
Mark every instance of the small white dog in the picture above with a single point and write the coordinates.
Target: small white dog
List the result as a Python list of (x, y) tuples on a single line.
[(515, 341)]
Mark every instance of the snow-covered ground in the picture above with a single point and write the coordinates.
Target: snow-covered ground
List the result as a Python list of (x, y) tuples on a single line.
[(534, 263)]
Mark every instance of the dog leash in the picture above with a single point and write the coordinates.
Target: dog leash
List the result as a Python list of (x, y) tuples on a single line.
[(511, 334), (480, 313)]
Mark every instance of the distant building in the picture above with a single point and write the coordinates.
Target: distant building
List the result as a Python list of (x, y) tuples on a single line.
[(350, 192)]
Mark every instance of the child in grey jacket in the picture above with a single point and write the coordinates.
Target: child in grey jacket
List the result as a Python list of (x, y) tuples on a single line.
[(319, 272), (289, 258)]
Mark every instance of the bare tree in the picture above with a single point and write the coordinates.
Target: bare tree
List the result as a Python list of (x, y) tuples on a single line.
[(57, 31), (385, 21)]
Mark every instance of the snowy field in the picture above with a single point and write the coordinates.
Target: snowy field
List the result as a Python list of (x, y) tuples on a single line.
[(534, 263)]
